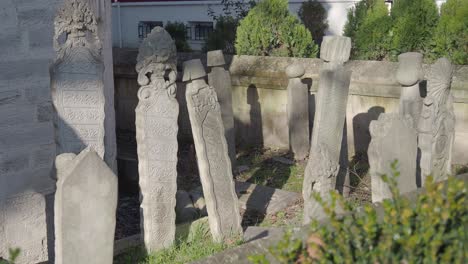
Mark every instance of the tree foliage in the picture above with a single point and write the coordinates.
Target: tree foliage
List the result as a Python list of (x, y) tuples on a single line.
[(451, 34), (178, 32), (223, 36), (270, 30), (314, 16), (369, 26), (414, 22)]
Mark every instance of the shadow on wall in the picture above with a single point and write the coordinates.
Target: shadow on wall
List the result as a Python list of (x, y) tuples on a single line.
[(361, 123), (250, 133)]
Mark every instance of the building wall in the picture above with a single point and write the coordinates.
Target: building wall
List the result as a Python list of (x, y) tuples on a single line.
[(27, 148), (125, 33), (27, 136)]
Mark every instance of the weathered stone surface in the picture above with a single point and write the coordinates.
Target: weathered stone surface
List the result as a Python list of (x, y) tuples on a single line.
[(220, 79), (264, 199), (23, 225), (436, 126), (409, 75), (77, 81), (393, 138), (212, 153), (335, 49), (85, 207), (257, 232), (156, 131), (324, 158), (215, 58), (298, 112)]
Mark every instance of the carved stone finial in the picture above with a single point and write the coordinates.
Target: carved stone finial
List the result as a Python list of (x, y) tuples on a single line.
[(73, 20), (295, 70), (157, 47), (193, 69), (215, 58), (409, 68), (335, 49)]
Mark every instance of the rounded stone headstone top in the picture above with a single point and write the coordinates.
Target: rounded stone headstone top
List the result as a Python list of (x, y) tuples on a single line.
[(157, 47), (193, 69), (295, 71), (409, 68), (335, 49), (215, 58)]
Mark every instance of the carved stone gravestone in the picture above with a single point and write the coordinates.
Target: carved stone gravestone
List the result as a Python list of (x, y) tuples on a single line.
[(85, 208), (393, 138), (220, 79), (156, 132), (298, 112), (324, 161), (212, 153), (436, 125), (409, 75), (77, 80)]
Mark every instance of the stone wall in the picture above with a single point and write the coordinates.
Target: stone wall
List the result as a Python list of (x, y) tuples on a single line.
[(260, 98), (27, 147)]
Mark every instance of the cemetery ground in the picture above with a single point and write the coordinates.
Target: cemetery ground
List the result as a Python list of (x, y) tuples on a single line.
[(266, 167)]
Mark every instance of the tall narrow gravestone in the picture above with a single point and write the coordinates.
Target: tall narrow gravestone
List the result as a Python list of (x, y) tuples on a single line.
[(77, 80), (212, 153), (220, 79), (393, 138), (156, 132), (298, 112), (436, 125), (85, 208), (409, 75), (323, 165)]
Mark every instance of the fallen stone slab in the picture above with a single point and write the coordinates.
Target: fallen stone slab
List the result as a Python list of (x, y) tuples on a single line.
[(261, 199), (264, 199), (257, 232)]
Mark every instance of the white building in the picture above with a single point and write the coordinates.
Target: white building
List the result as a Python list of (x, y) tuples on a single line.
[(133, 19)]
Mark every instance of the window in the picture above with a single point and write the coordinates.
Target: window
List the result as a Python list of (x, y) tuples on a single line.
[(145, 27), (200, 30)]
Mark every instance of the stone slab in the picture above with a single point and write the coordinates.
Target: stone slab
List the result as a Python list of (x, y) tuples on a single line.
[(213, 159), (264, 199), (393, 138), (220, 79), (85, 207)]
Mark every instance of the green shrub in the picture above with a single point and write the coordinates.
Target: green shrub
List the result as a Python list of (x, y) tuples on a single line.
[(314, 17), (355, 19), (451, 34), (14, 254), (369, 27), (414, 22), (223, 36), (431, 229), (372, 37), (178, 32), (270, 30)]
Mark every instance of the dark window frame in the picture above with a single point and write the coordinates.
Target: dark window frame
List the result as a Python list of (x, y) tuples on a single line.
[(145, 27)]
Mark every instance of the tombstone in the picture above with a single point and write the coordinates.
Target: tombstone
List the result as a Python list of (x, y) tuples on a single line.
[(220, 79), (409, 75), (436, 126), (335, 50), (393, 138), (325, 163), (212, 153), (77, 80), (156, 132), (85, 209), (298, 112)]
